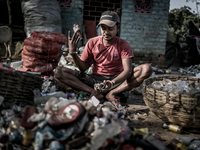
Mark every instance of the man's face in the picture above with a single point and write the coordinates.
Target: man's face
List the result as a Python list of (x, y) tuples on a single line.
[(107, 32)]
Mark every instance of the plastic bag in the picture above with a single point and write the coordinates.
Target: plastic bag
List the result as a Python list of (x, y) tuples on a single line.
[(41, 16)]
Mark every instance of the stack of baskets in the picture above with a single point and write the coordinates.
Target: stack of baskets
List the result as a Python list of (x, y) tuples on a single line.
[(15, 85), (180, 109)]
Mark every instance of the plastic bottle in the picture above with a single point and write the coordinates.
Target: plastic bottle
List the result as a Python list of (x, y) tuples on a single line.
[(153, 140), (177, 145), (187, 140), (55, 145), (27, 138), (168, 71), (172, 127), (16, 137), (194, 145), (59, 105), (44, 98), (82, 96)]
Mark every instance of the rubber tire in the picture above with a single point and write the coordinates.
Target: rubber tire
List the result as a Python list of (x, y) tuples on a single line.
[(170, 56)]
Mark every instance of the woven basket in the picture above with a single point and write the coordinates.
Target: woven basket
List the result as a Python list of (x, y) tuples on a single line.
[(15, 85), (180, 109)]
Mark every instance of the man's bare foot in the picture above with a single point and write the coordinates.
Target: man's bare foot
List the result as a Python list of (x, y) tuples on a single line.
[(110, 97), (97, 94)]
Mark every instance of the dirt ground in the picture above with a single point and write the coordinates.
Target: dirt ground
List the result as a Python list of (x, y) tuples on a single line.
[(151, 121), (136, 104)]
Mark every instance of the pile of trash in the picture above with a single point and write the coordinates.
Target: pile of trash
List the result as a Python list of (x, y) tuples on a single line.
[(177, 87), (68, 122), (59, 120), (193, 70), (157, 70)]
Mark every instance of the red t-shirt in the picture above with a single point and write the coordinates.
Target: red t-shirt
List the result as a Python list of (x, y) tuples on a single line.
[(107, 60)]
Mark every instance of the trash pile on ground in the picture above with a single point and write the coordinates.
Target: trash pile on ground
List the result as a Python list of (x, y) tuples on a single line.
[(193, 70), (59, 120), (157, 70), (54, 116)]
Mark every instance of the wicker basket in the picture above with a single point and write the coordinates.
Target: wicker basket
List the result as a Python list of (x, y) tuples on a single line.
[(180, 109), (15, 85)]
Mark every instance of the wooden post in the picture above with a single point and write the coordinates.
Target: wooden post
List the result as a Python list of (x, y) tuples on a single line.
[(9, 12)]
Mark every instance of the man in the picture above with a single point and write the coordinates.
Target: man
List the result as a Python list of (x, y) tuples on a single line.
[(112, 63)]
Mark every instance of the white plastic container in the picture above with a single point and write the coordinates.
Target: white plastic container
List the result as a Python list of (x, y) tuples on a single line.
[(17, 64)]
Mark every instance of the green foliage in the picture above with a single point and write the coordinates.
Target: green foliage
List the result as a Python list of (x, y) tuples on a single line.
[(179, 20)]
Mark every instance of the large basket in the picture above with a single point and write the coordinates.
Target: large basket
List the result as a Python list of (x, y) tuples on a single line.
[(180, 109), (15, 85)]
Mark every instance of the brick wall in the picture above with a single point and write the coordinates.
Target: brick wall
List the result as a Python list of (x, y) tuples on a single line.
[(85, 10), (146, 33), (94, 8)]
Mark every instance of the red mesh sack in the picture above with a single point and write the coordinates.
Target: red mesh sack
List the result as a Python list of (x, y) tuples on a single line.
[(33, 62), (49, 36), (40, 50), (48, 57), (48, 67), (42, 43)]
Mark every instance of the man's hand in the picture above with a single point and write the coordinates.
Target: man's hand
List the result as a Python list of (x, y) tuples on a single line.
[(72, 42), (103, 87)]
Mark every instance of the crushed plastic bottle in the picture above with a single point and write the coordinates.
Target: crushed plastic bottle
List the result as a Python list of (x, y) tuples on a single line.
[(187, 140), (45, 97), (155, 141), (157, 85), (55, 145), (177, 87), (194, 145)]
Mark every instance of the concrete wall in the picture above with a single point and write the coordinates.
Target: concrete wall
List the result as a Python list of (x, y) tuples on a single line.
[(71, 16), (146, 33)]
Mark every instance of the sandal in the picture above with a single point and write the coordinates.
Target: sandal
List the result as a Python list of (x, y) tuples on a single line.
[(115, 103), (116, 100)]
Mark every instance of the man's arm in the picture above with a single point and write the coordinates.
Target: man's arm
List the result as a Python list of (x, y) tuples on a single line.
[(72, 42), (79, 63), (127, 64)]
